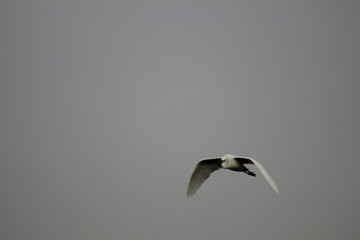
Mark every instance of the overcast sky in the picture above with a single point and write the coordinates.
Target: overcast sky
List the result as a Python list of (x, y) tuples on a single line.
[(107, 106)]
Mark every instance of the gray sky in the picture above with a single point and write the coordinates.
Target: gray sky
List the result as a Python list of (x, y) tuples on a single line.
[(106, 107)]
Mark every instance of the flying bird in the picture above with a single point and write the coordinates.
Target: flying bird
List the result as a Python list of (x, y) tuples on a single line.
[(207, 166)]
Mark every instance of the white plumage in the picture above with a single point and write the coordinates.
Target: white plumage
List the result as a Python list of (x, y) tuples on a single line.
[(235, 163)]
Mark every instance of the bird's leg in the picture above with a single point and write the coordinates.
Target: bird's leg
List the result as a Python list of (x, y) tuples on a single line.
[(250, 173)]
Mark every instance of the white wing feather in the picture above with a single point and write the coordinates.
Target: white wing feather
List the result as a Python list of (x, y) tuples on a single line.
[(201, 172), (266, 175)]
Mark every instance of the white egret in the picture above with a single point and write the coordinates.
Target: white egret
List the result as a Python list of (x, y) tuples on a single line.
[(235, 163)]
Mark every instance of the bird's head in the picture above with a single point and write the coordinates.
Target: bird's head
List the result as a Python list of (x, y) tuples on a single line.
[(226, 157), (226, 160)]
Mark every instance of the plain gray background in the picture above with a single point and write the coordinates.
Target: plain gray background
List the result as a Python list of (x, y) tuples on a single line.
[(106, 107)]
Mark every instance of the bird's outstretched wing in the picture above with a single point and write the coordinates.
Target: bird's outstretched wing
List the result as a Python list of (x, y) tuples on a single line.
[(201, 172), (266, 175), (244, 160)]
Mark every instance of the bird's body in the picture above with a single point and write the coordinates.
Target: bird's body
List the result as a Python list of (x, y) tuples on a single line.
[(235, 163)]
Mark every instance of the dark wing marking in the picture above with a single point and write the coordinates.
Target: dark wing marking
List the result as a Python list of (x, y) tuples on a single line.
[(243, 160), (202, 172)]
